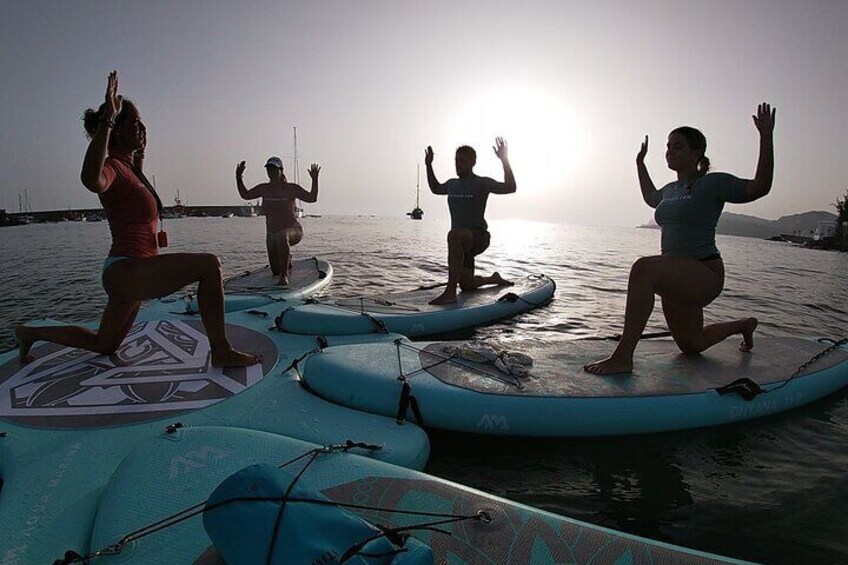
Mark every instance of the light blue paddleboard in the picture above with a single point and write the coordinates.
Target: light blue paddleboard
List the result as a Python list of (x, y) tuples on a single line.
[(667, 390), (411, 314), (169, 473), (68, 418), (249, 290)]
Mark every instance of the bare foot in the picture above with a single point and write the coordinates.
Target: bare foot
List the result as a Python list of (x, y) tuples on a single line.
[(233, 358), (24, 344), (444, 298), (610, 366), (748, 335), (283, 281), (500, 281)]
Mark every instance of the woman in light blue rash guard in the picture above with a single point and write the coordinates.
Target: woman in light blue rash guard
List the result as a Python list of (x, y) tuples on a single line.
[(690, 273)]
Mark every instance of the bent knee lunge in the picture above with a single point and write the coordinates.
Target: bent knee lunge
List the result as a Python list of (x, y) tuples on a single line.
[(460, 237), (106, 347), (690, 346), (208, 264), (643, 269)]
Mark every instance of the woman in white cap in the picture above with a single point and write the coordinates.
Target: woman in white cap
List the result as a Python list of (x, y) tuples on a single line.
[(278, 203)]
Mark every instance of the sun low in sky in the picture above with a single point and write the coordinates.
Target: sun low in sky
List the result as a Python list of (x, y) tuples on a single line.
[(545, 136)]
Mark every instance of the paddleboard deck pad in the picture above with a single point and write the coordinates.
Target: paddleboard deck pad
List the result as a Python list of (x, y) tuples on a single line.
[(431, 384), (252, 289), (411, 314), (162, 369), (307, 276), (174, 472)]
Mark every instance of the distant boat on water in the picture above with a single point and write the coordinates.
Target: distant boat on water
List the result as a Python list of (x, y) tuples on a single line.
[(417, 213), (248, 211), (178, 210)]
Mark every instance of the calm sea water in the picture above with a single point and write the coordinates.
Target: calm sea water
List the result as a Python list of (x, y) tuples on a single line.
[(772, 491)]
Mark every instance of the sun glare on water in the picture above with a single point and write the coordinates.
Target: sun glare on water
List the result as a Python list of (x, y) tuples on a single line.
[(544, 137)]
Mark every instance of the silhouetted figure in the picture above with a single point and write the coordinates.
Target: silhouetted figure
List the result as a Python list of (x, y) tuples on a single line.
[(279, 198), (469, 235)]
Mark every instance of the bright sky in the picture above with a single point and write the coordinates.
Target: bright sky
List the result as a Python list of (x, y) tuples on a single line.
[(572, 86)]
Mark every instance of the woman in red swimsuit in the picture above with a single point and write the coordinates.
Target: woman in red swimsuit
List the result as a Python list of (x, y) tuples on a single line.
[(134, 270)]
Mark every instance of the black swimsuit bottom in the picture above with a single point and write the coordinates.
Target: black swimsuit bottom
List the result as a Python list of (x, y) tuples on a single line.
[(710, 257)]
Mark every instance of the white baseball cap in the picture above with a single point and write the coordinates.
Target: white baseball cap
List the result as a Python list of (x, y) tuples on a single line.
[(274, 162)]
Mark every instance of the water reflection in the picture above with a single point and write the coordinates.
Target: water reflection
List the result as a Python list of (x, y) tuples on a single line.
[(773, 490)]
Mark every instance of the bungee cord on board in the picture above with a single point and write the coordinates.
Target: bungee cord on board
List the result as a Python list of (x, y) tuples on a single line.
[(71, 557)]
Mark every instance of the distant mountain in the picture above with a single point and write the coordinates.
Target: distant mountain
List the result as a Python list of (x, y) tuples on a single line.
[(751, 226)]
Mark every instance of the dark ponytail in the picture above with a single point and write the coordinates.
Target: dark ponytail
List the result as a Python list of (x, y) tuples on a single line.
[(697, 142), (703, 165), (91, 118)]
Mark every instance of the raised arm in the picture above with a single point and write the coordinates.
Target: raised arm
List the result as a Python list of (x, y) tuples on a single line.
[(435, 186), (508, 185), (251, 194), (650, 194), (764, 121), (312, 195), (92, 176)]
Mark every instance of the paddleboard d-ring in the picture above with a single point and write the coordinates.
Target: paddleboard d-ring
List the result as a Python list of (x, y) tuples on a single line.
[(172, 428), (278, 321), (321, 344), (379, 325)]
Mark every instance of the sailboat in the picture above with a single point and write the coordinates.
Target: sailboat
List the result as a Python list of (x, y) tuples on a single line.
[(177, 210), (417, 213), (298, 210), (24, 209)]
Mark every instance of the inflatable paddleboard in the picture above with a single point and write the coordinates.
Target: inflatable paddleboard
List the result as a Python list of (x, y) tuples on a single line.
[(248, 290), (197, 469), (435, 385), (411, 314), (68, 418)]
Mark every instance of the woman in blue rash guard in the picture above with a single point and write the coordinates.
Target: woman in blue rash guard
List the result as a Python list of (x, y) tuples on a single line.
[(689, 274)]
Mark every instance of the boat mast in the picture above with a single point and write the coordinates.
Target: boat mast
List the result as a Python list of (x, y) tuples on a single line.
[(417, 185), (295, 163), (298, 210)]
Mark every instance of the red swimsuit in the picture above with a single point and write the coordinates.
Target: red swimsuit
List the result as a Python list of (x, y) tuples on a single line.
[(131, 210)]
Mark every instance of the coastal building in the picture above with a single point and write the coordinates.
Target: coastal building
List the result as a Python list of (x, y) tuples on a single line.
[(824, 230)]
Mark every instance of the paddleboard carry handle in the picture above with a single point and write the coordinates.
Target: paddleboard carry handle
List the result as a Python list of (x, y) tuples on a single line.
[(748, 389), (406, 402), (744, 387)]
